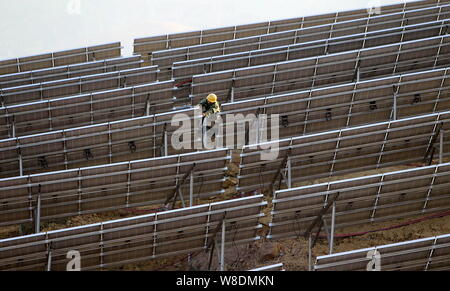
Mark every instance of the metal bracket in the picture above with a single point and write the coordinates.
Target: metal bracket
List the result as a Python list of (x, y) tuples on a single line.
[(430, 150), (177, 190)]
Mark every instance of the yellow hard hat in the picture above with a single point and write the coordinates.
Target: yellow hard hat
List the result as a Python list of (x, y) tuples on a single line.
[(212, 98)]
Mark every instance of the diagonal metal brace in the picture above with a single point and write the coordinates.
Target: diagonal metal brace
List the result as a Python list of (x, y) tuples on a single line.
[(211, 243), (430, 149), (281, 167), (180, 183), (320, 215)]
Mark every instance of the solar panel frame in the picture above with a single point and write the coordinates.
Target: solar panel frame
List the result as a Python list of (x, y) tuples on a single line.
[(221, 50), (151, 44), (69, 71), (110, 187), (119, 242), (60, 58), (86, 109), (304, 112), (339, 152), (78, 85), (363, 200), (186, 69), (317, 71), (415, 255)]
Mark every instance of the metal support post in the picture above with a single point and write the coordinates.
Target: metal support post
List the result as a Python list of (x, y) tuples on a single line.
[(232, 94), (222, 247), (49, 260), (147, 107), (394, 106), (441, 146), (309, 253), (333, 221), (165, 144), (191, 190), (20, 164), (13, 127), (37, 215), (289, 173)]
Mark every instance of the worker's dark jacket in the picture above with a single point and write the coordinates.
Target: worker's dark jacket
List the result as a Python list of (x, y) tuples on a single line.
[(209, 108)]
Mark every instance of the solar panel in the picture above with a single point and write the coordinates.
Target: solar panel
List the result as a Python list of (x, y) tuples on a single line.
[(150, 44), (73, 86), (69, 71), (364, 200), (328, 35), (429, 254), (112, 187), (319, 71), (85, 109), (350, 104), (61, 58), (185, 70), (275, 267), (304, 112), (142, 238), (338, 152), (99, 144)]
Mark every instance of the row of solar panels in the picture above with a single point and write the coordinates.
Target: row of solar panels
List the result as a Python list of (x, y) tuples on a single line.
[(190, 229), (330, 34), (246, 83), (126, 184), (419, 96), (78, 85), (441, 14), (185, 70), (407, 17), (149, 45), (62, 58), (310, 72), (12, 95), (344, 151), (69, 71), (70, 120), (428, 254), (361, 201), (137, 239), (382, 197), (111, 187), (304, 112)]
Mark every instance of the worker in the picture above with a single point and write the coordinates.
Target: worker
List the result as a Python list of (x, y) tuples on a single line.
[(210, 105)]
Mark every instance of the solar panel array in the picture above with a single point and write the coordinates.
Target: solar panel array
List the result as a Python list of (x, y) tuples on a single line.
[(73, 86), (61, 58), (69, 71), (86, 109), (377, 198), (131, 240), (104, 188), (301, 49), (344, 151), (87, 131), (429, 254), (408, 56), (150, 44)]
